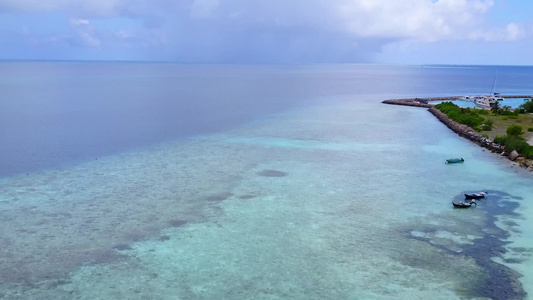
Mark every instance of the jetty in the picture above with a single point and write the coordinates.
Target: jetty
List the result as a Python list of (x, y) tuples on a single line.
[(426, 102)]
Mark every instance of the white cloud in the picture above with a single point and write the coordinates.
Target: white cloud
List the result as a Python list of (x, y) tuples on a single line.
[(509, 33), (88, 39), (414, 19), (79, 22), (346, 28), (426, 20), (85, 32), (514, 32)]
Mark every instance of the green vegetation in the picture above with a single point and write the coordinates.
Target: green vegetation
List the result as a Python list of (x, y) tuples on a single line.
[(515, 142), (514, 130), (466, 116), (487, 126), (496, 124), (506, 111), (527, 107), (496, 108), (501, 124)]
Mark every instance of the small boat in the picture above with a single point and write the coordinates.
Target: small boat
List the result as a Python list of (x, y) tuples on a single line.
[(475, 195), (454, 160), (463, 204)]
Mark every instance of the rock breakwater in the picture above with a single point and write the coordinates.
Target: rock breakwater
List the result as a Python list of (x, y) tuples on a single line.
[(465, 131)]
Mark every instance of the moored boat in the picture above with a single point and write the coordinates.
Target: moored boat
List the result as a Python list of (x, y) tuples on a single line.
[(475, 195), (486, 101), (464, 204), (454, 160), (470, 98)]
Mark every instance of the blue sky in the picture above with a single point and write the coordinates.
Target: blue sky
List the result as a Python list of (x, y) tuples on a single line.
[(494, 32)]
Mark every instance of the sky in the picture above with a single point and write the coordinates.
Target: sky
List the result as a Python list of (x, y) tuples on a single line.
[(486, 32)]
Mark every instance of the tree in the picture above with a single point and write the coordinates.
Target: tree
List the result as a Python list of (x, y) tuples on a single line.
[(505, 110), (495, 108), (514, 130), (527, 106)]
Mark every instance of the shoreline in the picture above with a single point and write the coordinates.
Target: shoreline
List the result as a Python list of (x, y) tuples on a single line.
[(461, 129)]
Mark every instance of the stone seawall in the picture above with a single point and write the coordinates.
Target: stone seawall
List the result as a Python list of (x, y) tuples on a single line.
[(465, 131), (407, 102), (417, 102)]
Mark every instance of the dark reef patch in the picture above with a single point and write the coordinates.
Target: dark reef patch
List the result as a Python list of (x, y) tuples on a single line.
[(513, 260), (510, 223), (102, 257), (272, 173), (497, 281), (522, 250), (500, 282), (246, 197), (163, 238), (177, 223), (122, 247), (219, 197)]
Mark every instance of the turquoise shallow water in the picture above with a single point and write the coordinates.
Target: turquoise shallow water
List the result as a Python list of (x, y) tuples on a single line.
[(331, 201)]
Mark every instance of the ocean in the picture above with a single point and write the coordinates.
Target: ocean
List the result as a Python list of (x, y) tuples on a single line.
[(123, 180)]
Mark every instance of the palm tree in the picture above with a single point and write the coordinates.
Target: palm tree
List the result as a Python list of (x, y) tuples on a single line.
[(495, 108)]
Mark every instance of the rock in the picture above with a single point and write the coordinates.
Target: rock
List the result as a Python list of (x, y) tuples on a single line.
[(513, 155)]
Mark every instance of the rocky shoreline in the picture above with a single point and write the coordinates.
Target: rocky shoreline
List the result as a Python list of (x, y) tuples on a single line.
[(464, 130)]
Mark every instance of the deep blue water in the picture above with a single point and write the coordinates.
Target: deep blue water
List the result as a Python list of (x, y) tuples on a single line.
[(56, 113)]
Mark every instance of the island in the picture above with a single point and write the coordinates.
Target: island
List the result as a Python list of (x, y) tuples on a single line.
[(465, 131)]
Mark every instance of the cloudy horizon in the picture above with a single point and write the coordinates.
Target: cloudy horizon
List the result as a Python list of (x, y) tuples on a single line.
[(275, 31)]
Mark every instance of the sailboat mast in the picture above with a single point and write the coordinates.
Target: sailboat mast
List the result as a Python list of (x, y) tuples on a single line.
[(493, 84)]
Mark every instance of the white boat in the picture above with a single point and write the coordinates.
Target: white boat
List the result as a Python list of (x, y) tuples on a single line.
[(486, 101), (483, 101), (497, 97), (470, 98)]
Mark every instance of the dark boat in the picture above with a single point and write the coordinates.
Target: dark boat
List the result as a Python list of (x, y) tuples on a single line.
[(475, 195), (454, 160), (464, 204)]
